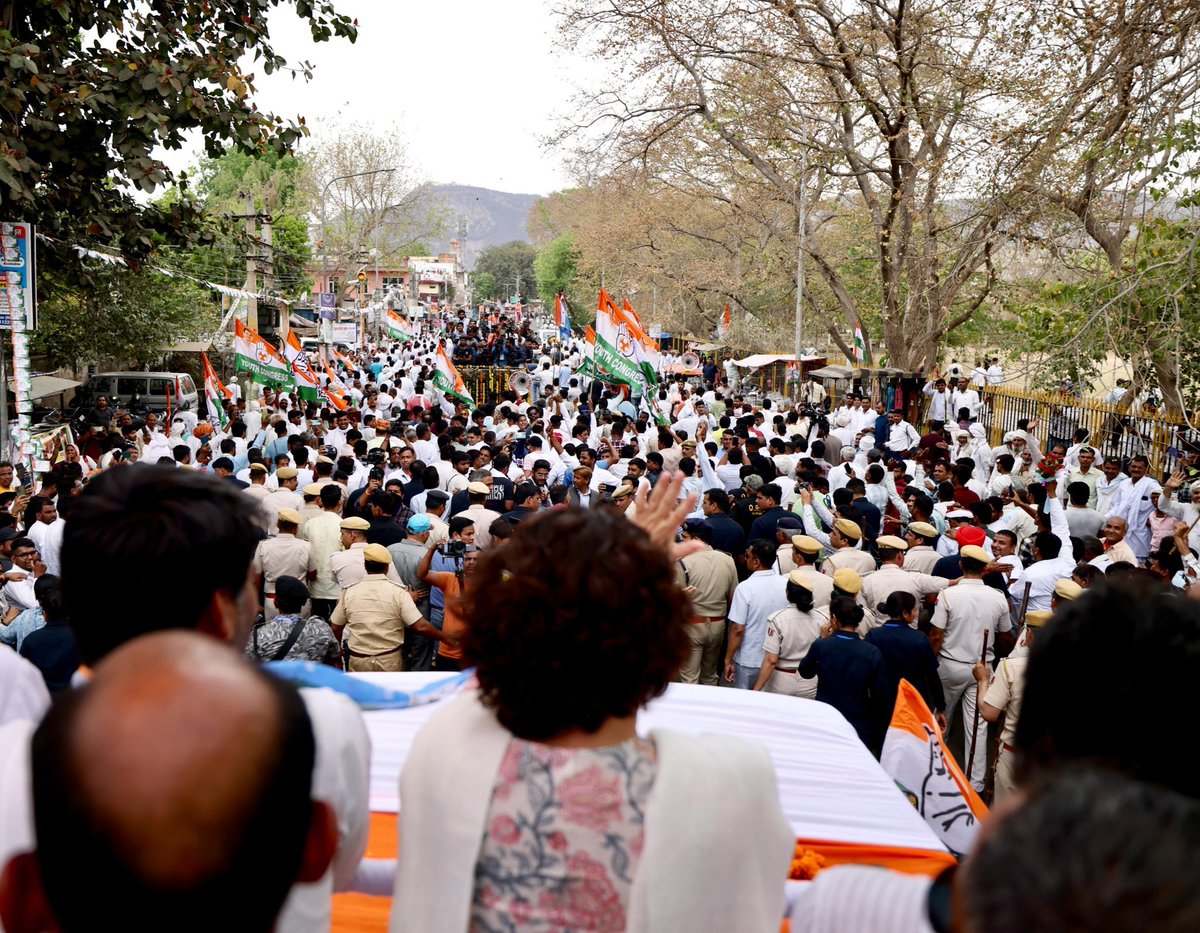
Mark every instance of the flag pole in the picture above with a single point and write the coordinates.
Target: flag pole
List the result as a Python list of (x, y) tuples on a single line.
[(975, 726)]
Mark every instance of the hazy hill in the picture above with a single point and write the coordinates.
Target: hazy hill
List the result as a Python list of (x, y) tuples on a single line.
[(489, 217)]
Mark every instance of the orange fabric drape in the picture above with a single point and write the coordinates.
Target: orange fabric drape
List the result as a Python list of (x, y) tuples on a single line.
[(361, 913)]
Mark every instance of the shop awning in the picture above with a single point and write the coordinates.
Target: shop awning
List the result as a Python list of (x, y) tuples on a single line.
[(44, 386)]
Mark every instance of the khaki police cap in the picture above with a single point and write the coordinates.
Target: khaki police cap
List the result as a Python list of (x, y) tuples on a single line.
[(1067, 589), (290, 517), (923, 529), (847, 580), (287, 473), (354, 524), (377, 554), (974, 553), (800, 579), (1036, 618), (848, 528), (806, 545), (891, 542)]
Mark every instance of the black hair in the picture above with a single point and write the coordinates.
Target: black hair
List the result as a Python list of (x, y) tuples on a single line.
[(1048, 544), (897, 604), (719, 498), (168, 523), (331, 495), (763, 551), (1157, 637), (48, 590), (845, 611), (799, 596), (1079, 828)]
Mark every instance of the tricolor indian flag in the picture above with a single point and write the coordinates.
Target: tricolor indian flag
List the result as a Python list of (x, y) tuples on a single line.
[(448, 381), (916, 758), (562, 317), (215, 394), (307, 386), (398, 326), (860, 345), (253, 355)]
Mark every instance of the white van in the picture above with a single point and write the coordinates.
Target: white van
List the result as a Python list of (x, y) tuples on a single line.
[(156, 390)]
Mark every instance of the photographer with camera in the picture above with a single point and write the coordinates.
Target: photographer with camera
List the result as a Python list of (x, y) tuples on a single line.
[(448, 586)]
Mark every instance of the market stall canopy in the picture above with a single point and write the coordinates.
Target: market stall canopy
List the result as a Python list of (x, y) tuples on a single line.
[(43, 386), (833, 372)]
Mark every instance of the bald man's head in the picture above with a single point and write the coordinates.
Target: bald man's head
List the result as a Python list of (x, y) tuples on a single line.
[(173, 787)]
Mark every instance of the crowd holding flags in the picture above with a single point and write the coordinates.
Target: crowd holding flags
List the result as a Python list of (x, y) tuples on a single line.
[(562, 317), (215, 394), (448, 381), (253, 355), (398, 326)]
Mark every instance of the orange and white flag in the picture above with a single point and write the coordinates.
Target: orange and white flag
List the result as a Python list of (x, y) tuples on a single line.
[(916, 758)]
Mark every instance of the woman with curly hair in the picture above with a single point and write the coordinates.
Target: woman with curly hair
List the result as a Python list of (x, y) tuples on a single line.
[(534, 804)]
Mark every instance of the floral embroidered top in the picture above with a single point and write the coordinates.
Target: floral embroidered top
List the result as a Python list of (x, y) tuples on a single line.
[(563, 839)]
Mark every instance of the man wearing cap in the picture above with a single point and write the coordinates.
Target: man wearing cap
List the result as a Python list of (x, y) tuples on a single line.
[(291, 637), (760, 595), (284, 555), (373, 613), (891, 577), (710, 579), (312, 504), (921, 556), (785, 528), (805, 553), (1001, 692), (258, 488), (964, 534), (480, 514), (435, 509), (745, 509), (418, 652), (285, 497), (843, 539), (964, 615), (323, 532), (347, 567)]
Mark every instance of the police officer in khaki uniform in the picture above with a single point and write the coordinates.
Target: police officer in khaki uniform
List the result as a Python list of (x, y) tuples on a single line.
[(844, 539), (921, 555), (790, 633), (285, 497), (373, 613), (805, 552), (347, 567), (1001, 692), (284, 555), (892, 576)]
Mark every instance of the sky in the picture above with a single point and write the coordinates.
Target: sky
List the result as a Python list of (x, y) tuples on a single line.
[(474, 85)]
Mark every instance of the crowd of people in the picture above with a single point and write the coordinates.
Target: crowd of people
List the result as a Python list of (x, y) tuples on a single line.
[(580, 547)]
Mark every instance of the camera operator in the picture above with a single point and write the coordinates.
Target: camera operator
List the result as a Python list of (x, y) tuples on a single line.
[(448, 586), (449, 559)]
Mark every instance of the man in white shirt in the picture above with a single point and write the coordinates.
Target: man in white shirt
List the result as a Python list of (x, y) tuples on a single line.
[(939, 400), (760, 595), (964, 397), (1109, 485), (967, 621), (902, 436), (1134, 505)]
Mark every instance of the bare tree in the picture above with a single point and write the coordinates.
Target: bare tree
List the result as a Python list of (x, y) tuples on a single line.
[(940, 123), (361, 180)]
